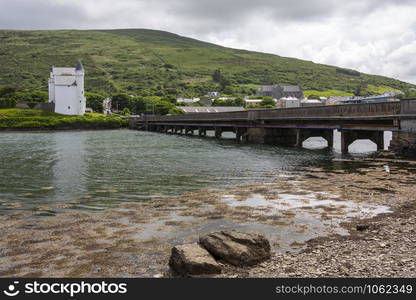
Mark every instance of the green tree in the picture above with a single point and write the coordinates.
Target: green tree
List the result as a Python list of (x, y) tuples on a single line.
[(312, 96), (199, 103), (137, 105), (7, 103), (224, 84), (119, 101), (267, 102), (31, 96), (175, 111), (95, 101), (126, 111), (163, 107), (217, 76), (239, 101), (7, 97), (7, 91)]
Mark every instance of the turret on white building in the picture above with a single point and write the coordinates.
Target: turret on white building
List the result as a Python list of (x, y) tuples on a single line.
[(66, 90)]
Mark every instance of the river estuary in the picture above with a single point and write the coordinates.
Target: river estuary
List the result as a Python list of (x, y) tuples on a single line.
[(112, 203)]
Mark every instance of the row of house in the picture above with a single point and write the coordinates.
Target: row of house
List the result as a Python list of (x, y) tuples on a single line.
[(386, 97), (66, 93)]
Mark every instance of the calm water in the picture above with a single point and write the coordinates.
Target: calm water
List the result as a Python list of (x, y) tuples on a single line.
[(101, 168)]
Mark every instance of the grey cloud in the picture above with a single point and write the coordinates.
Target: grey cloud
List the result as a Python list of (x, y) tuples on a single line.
[(230, 11), (39, 14)]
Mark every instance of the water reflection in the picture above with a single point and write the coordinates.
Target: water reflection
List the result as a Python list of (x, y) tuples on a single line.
[(99, 168), (69, 170)]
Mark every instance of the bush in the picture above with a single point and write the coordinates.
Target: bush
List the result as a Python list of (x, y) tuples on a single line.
[(32, 96), (6, 91), (175, 111), (95, 101), (119, 101), (126, 112), (7, 103), (28, 118), (32, 104)]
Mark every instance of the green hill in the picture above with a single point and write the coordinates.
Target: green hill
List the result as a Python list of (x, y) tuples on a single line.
[(150, 62)]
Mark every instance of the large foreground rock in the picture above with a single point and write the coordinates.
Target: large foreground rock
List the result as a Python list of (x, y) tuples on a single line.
[(192, 259), (237, 248)]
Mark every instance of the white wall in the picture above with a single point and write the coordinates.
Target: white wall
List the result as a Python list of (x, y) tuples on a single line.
[(51, 88), (66, 102)]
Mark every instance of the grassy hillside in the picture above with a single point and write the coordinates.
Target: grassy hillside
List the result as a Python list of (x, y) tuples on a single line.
[(150, 62)]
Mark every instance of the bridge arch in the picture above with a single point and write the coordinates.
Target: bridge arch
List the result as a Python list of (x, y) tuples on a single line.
[(348, 137), (315, 142)]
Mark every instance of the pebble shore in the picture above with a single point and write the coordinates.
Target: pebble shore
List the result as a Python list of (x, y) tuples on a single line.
[(383, 246)]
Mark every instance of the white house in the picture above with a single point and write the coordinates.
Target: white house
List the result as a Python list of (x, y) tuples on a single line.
[(213, 94), (66, 90), (287, 102), (187, 100)]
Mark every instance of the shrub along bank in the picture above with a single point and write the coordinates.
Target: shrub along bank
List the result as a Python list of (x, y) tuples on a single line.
[(31, 119)]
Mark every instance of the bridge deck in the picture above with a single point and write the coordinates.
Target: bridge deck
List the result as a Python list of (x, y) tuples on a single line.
[(374, 116)]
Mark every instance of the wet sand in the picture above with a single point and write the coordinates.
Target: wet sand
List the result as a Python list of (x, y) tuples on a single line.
[(134, 239)]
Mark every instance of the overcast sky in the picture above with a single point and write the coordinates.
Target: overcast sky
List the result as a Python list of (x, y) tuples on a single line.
[(373, 36)]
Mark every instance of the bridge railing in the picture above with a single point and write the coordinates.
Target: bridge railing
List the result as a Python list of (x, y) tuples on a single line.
[(236, 115), (345, 110)]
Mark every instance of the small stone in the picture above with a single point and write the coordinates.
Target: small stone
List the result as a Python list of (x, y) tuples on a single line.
[(362, 227), (47, 188)]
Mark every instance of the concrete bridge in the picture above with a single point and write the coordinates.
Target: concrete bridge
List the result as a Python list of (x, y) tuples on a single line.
[(292, 126)]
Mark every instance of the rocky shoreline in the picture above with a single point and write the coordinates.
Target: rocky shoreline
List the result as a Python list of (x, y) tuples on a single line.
[(383, 246), (134, 239)]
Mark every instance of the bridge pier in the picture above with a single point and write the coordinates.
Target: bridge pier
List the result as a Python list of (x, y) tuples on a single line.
[(202, 131), (349, 136), (404, 141), (303, 134), (218, 132), (241, 135), (189, 131)]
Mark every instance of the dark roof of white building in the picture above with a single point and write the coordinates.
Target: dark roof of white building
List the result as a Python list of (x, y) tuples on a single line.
[(285, 88), (267, 88), (79, 66), (291, 88)]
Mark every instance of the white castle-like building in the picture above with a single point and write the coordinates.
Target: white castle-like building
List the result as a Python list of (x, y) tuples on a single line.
[(66, 90)]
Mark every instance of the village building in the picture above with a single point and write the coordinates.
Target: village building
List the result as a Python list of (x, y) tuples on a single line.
[(311, 102), (66, 90), (278, 91), (287, 102), (387, 97), (212, 109), (187, 101), (333, 100), (213, 94), (252, 101), (206, 101)]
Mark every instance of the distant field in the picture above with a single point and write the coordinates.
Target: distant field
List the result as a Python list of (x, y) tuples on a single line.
[(378, 90), (150, 62), (32, 119), (327, 93)]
